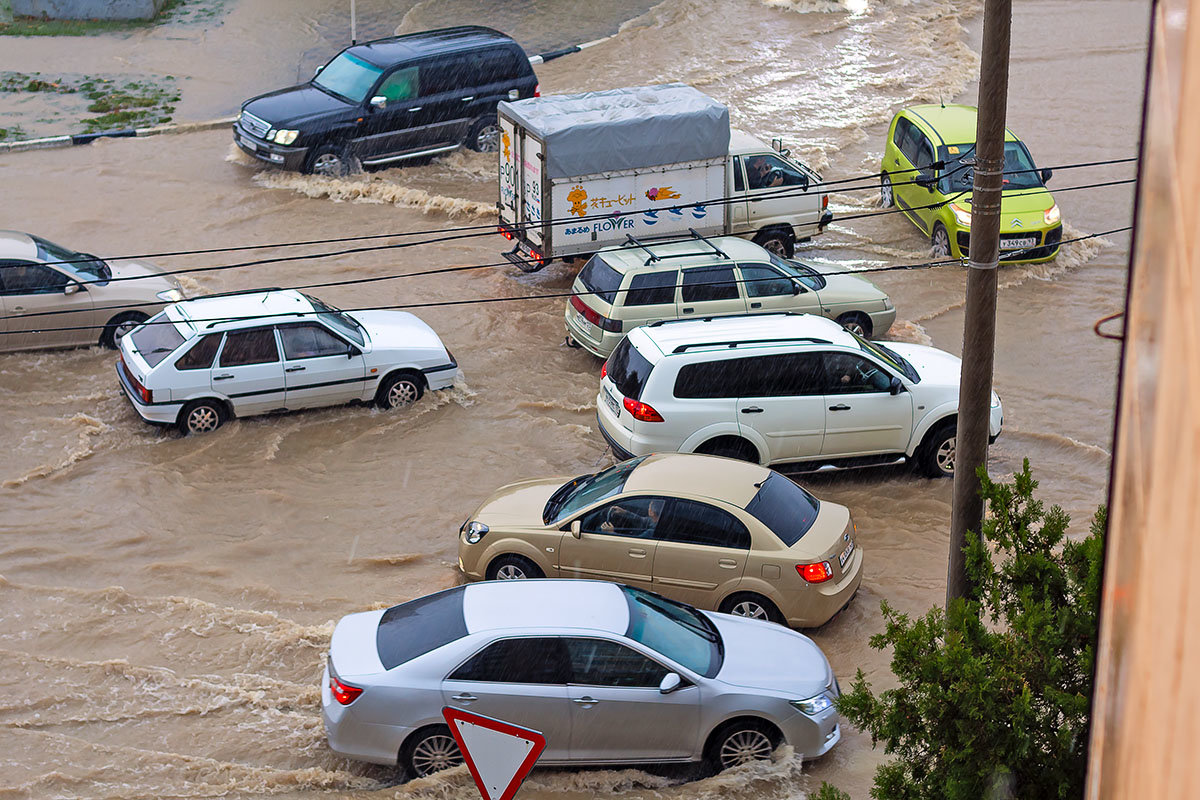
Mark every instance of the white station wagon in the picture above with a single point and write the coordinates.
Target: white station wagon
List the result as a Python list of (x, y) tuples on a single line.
[(204, 361)]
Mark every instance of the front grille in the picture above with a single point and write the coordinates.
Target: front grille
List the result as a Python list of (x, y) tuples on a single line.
[(253, 125)]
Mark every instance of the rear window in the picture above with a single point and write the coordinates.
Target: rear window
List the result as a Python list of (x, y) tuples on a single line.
[(600, 279), (156, 339), (785, 508), (628, 369), (420, 626)]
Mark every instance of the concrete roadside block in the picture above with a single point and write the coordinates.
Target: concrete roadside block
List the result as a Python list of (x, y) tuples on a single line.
[(49, 142)]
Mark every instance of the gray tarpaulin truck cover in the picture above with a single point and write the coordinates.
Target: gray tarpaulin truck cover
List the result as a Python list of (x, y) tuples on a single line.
[(618, 129)]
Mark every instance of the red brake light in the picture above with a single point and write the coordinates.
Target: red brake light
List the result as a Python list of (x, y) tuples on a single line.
[(643, 412), (582, 307), (603, 370), (537, 90), (344, 693), (815, 573), (505, 232), (824, 202)]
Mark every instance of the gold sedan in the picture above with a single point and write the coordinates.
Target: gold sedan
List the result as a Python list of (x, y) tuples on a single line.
[(712, 532)]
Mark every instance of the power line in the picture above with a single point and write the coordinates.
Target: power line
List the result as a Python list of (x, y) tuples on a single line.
[(550, 296), (482, 229)]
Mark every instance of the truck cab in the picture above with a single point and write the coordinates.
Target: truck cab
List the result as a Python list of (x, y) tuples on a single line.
[(770, 201)]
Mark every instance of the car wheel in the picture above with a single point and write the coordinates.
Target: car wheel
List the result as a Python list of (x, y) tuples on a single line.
[(730, 447), (431, 750), (887, 197), (332, 161), (399, 390), (940, 241), (118, 326), (750, 605), (513, 568), (485, 135), (201, 416), (779, 242), (856, 322), (937, 452), (742, 742)]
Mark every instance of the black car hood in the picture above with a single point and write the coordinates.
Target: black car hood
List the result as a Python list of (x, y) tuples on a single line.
[(287, 108)]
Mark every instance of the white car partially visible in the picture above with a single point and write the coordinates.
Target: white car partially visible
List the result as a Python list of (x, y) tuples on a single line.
[(202, 362)]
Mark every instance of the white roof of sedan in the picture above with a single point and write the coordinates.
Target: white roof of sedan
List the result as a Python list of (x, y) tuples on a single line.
[(233, 310), (758, 328), (593, 605), (14, 244)]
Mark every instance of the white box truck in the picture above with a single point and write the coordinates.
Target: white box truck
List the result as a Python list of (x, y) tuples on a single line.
[(585, 171)]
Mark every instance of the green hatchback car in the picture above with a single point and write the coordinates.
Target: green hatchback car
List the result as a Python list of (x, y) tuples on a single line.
[(937, 197)]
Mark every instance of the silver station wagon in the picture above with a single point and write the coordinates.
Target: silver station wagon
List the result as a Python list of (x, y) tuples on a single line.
[(204, 361), (610, 674)]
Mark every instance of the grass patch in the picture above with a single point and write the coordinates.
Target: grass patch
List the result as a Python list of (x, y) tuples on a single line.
[(173, 12), (11, 134), (116, 103)]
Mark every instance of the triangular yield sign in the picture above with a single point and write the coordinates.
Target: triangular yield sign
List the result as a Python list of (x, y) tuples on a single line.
[(498, 753)]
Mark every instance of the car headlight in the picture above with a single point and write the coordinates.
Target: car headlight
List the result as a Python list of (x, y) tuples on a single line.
[(887, 304), (170, 295), (961, 215), (995, 400), (1052, 215), (474, 531), (284, 136), (813, 705)]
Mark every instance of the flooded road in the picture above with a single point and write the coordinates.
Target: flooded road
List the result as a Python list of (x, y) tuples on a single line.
[(168, 602)]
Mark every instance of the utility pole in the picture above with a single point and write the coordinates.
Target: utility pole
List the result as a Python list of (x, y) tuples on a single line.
[(979, 324)]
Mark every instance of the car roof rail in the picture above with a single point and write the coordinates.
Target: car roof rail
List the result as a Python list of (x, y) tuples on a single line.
[(236, 292), (662, 322), (629, 239), (708, 242), (683, 348)]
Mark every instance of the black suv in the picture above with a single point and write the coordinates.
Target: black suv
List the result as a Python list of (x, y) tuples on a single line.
[(388, 100)]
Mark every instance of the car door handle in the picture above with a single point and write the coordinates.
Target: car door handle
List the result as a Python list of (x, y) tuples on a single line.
[(19, 309), (294, 369), (727, 563), (895, 161), (840, 407), (637, 552), (688, 310), (224, 377), (756, 305), (416, 108), (468, 99), (585, 701), (465, 698), (751, 410)]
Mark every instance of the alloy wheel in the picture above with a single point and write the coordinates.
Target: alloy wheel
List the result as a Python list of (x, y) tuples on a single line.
[(885, 192), (941, 243), (749, 608), (854, 325), (435, 753), (745, 746), (122, 329), (488, 139), (402, 393), (776, 246), (203, 419), (510, 572), (944, 457), (329, 164)]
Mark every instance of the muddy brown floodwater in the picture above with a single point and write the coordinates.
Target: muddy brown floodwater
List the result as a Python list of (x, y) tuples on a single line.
[(167, 601)]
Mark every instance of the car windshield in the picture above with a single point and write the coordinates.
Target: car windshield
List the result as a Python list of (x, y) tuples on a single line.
[(86, 267), (787, 509), (888, 356), (959, 173), (580, 493), (806, 274), (156, 339), (348, 77), (339, 320), (679, 632)]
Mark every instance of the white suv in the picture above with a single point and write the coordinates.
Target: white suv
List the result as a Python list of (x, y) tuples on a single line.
[(781, 388), (203, 361)]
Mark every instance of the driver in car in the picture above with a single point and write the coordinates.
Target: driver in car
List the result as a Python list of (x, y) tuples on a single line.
[(760, 175), (629, 520)]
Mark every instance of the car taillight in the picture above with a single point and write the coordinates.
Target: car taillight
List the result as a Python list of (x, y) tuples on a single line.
[(537, 90), (147, 395), (603, 370), (344, 693), (592, 316), (815, 573), (824, 202), (505, 232), (643, 412)]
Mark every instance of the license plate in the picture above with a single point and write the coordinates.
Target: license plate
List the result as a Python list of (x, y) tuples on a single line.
[(613, 405), (845, 554), (1017, 244), (582, 321), (246, 143)]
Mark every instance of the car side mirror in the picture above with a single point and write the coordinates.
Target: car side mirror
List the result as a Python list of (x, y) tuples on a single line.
[(897, 386), (1046, 173), (71, 288), (317, 71), (379, 102), (797, 288), (577, 529), (353, 351), (670, 682)]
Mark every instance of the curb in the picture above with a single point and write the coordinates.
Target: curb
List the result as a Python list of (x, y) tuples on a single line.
[(50, 142)]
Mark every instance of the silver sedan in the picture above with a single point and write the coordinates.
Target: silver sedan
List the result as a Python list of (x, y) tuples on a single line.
[(608, 673)]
